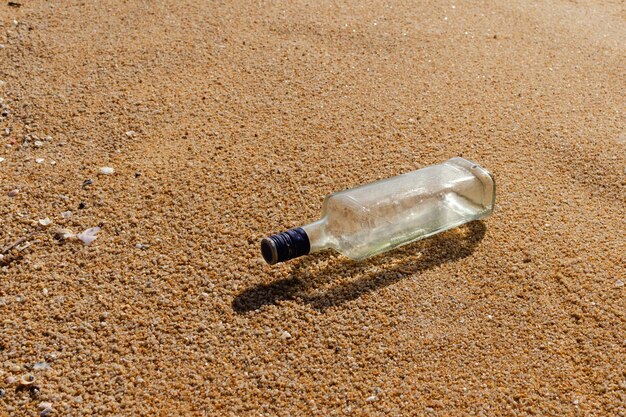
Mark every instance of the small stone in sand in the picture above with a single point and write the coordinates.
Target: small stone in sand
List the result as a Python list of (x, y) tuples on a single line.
[(38, 144), (39, 160), (619, 283), (285, 335), (45, 222), (66, 214), (1, 159), (106, 170), (130, 133), (13, 193)]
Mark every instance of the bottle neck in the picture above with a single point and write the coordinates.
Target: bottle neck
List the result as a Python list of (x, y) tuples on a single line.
[(318, 238), (295, 242)]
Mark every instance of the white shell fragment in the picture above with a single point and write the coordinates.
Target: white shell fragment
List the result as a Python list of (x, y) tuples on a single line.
[(106, 170), (45, 222), (27, 379), (1, 159), (88, 236), (63, 234), (45, 405), (39, 160), (41, 366), (66, 214)]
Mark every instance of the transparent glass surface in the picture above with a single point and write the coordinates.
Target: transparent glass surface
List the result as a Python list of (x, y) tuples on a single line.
[(377, 217)]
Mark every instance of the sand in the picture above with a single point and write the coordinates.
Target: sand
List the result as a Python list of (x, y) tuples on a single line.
[(225, 122)]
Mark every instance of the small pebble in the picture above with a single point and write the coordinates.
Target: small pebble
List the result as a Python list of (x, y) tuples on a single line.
[(45, 222), (106, 170), (66, 214), (1, 159), (10, 380), (2, 393), (130, 133), (87, 182), (285, 335), (13, 193), (34, 391), (619, 283), (82, 206), (371, 399), (39, 160), (142, 246), (38, 144)]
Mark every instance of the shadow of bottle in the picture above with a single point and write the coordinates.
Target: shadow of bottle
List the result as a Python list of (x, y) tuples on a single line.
[(308, 277)]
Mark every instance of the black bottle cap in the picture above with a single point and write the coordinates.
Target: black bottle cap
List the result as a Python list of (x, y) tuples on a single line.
[(286, 245)]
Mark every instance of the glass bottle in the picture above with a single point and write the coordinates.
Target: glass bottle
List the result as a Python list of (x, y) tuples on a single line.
[(377, 217)]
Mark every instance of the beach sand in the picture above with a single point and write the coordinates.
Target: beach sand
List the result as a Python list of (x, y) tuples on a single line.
[(229, 121)]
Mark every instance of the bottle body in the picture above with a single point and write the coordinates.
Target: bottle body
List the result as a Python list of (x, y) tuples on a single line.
[(377, 217)]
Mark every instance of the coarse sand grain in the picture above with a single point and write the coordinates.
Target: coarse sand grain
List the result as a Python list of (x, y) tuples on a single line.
[(226, 121)]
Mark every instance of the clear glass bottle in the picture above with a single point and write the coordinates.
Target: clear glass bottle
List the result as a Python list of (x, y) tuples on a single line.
[(377, 217)]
